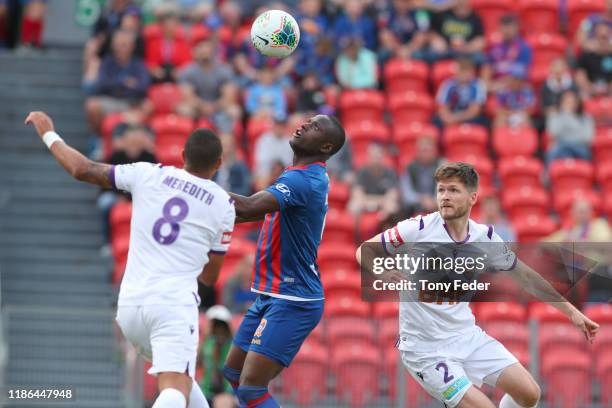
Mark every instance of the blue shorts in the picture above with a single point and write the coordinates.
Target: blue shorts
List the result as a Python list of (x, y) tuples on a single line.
[(276, 328)]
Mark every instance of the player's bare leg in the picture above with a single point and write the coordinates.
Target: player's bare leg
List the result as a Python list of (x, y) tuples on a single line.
[(474, 398), (521, 389), (174, 390), (257, 372)]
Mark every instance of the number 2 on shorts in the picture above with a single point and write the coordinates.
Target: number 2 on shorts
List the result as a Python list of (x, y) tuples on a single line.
[(447, 377)]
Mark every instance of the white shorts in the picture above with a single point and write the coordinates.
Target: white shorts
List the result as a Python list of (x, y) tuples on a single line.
[(165, 335), (449, 371)]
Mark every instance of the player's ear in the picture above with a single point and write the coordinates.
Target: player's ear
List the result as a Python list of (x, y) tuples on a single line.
[(327, 148)]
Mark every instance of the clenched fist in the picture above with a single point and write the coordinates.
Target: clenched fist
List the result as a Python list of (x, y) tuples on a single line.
[(41, 121)]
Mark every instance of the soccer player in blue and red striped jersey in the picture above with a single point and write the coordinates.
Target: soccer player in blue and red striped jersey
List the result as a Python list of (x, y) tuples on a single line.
[(286, 275)]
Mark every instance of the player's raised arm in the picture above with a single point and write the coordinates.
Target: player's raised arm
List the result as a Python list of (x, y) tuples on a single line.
[(254, 207), (77, 165)]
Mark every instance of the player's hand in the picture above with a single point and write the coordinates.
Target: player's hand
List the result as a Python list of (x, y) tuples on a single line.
[(588, 327), (41, 121)]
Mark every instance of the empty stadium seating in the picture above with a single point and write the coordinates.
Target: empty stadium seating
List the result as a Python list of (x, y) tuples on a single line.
[(539, 16)]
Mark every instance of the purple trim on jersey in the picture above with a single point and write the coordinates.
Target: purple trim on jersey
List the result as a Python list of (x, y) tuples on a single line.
[(212, 251), (111, 176), (513, 264), (382, 236), (490, 232), (422, 224), (451, 237), (231, 201)]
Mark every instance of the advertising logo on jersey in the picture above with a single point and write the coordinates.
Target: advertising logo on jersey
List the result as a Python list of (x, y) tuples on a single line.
[(261, 328), (283, 189), (226, 237), (394, 237)]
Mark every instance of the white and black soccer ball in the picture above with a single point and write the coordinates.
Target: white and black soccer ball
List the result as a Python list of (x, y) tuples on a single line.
[(275, 33)]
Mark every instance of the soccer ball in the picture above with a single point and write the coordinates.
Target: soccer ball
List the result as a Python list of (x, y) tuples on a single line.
[(275, 33)]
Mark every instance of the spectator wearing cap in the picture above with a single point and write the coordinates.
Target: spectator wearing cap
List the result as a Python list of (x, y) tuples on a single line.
[(417, 182), (458, 32), (510, 56), (166, 54), (266, 97), (594, 71), (404, 30), (272, 147), (491, 214), (585, 36), (559, 80), (570, 128), (201, 81), (515, 101), (356, 66), (355, 23), (461, 99), (213, 352), (233, 174)]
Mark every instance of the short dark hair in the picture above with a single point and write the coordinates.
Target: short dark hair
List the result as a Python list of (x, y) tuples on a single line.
[(202, 150), (338, 136), (466, 173)]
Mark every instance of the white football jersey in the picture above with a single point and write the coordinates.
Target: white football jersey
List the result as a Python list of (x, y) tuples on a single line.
[(423, 324), (177, 219)]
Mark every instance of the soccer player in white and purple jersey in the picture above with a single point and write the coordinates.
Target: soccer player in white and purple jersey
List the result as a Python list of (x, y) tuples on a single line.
[(439, 342), (181, 228)]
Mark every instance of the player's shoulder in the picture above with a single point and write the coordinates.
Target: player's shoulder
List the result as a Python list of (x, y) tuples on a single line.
[(421, 222), (483, 232)]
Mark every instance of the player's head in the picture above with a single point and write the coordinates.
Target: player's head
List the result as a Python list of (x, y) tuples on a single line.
[(202, 152), (322, 136), (457, 184)]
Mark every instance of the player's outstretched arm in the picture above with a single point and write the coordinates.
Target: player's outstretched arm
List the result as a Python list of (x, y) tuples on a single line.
[(255, 207), (77, 165), (535, 284)]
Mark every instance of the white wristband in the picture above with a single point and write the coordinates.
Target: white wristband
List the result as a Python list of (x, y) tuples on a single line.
[(51, 137)]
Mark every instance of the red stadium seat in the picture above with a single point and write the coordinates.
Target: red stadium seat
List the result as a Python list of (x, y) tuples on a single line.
[(571, 174), (339, 194), (538, 75), (514, 336), (604, 175), (442, 71), (520, 172), (411, 106), (369, 225), (339, 227), (165, 97), (490, 11), (515, 141), (565, 199), (501, 312), (465, 139), (255, 128), (367, 131), (539, 16), (546, 46), (120, 247), (305, 381), (341, 332), (522, 202), (567, 377), (482, 164), (545, 313), (403, 75), (601, 313), (169, 151), (600, 109), (198, 32), (334, 256), (120, 218), (604, 376), (554, 336), (172, 125), (602, 145), (384, 310), (533, 228), (239, 248), (346, 307), (361, 104), (578, 10), (109, 123), (204, 123), (416, 396), (341, 283), (152, 31), (405, 137), (357, 374)]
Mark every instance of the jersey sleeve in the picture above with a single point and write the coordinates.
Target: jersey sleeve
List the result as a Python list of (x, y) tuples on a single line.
[(501, 258), (291, 189), (126, 177), (224, 235), (404, 232)]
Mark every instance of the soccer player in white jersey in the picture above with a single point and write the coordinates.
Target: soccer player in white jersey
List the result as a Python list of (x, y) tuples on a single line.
[(180, 230), (440, 344)]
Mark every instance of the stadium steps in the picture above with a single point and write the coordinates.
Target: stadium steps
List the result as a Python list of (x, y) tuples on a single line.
[(57, 299)]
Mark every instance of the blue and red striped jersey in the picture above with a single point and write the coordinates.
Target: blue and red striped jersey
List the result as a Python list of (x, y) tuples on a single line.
[(286, 257)]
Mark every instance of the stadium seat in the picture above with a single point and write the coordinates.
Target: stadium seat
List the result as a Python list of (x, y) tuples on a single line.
[(402, 75), (120, 247), (502, 288), (520, 172), (357, 372), (172, 126), (154, 30), (539, 16), (600, 109), (604, 376), (537, 76), (491, 11), (555, 336), (384, 310), (578, 10), (600, 312), (442, 71), (369, 225), (522, 202), (164, 97), (411, 106), (169, 151), (198, 32), (255, 128), (565, 199), (546, 46), (515, 141), (533, 228), (239, 248), (109, 123), (341, 283), (602, 145), (545, 313), (415, 394), (405, 137), (120, 218), (333, 256), (346, 306), (339, 195), (571, 174), (514, 336), (342, 331), (339, 227), (501, 312), (305, 381), (567, 376), (464, 140), (361, 134), (604, 175), (484, 167), (362, 104)]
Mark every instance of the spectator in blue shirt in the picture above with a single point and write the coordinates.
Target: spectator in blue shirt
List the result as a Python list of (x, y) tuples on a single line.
[(403, 30), (515, 101), (461, 99), (355, 23), (585, 36), (510, 55), (356, 66), (122, 81), (266, 96), (315, 53)]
